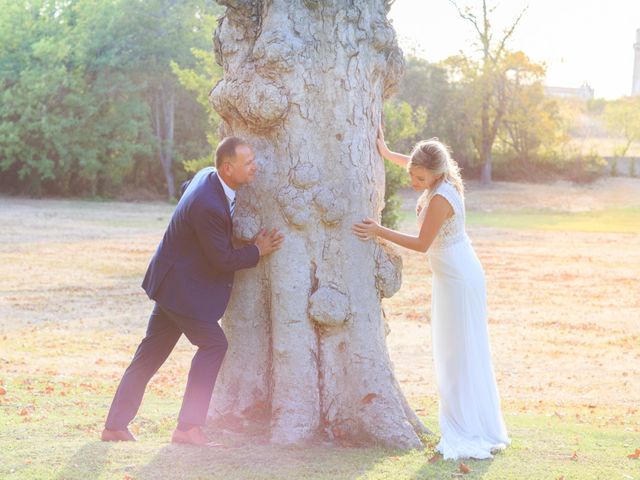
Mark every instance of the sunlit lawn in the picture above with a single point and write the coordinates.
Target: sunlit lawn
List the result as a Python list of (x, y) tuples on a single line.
[(50, 425), (613, 220), (72, 312)]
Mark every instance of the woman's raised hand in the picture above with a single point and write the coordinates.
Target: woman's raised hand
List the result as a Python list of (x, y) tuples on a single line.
[(382, 145)]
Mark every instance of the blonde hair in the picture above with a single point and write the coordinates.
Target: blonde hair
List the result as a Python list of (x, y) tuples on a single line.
[(434, 156)]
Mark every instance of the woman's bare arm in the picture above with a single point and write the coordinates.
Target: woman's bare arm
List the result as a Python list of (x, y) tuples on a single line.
[(397, 158), (437, 212)]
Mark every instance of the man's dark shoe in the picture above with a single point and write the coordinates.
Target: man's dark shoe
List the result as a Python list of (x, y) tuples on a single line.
[(117, 436)]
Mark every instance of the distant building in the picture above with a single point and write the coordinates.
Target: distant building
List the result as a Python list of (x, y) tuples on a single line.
[(585, 92), (635, 87)]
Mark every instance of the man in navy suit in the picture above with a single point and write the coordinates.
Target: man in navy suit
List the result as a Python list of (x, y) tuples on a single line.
[(190, 278)]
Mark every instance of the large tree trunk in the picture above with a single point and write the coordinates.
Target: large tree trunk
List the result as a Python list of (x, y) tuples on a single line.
[(485, 171), (164, 118), (303, 83), (486, 142)]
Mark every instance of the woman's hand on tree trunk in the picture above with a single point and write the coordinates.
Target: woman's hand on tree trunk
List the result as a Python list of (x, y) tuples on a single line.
[(366, 230)]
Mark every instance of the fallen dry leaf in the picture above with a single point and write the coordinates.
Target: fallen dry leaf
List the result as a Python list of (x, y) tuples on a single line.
[(635, 455), (435, 458)]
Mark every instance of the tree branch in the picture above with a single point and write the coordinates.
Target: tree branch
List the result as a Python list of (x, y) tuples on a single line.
[(470, 17), (509, 32)]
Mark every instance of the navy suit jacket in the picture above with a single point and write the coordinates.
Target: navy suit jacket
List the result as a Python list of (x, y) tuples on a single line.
[(191, 273)]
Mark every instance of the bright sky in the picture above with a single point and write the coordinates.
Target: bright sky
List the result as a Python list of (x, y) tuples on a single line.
[(579, 40)]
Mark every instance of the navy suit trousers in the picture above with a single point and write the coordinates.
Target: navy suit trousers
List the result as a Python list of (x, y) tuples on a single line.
[(164, 330)]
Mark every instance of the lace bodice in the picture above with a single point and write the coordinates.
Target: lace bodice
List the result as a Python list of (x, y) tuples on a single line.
[(452, 230)]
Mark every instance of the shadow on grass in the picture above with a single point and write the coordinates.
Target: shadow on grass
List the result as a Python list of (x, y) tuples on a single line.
[(88, 462), (261, 462), (242, 457), (451, 469)]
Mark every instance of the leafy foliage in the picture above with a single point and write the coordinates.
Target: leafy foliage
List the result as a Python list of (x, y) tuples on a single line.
[(103, 97), (198, 80), (401, 125), (622, 118), (83, 86)]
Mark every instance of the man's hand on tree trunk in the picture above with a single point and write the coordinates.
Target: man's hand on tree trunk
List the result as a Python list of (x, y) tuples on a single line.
[(268, 241)]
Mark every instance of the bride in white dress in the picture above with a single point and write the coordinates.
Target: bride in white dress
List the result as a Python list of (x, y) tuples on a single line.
[(471, 424)]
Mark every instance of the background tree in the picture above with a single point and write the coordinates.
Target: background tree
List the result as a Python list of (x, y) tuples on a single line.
[(439, 104), (108, 98), (67, 124), (531, 132), (89, 99), (622, 118), (304, 84), (485, 78), (198, 80), (175, 27), (401, 125)]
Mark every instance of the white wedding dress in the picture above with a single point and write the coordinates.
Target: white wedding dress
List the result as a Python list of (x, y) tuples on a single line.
[(471, 423)]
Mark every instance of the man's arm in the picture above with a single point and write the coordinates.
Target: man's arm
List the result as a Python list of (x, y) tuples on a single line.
[(213, 237)]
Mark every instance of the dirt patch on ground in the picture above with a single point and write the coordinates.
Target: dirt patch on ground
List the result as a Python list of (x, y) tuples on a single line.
[(558, 196), (564, 307), (564, 313)]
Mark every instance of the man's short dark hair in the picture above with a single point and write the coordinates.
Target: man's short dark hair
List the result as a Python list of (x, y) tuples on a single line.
[(226, 151)]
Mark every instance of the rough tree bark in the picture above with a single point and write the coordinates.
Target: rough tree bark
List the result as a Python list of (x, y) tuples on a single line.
[(304, 82)]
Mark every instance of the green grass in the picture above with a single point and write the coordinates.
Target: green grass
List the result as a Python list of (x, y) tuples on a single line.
[(619, 220), (613, 220), (50, 427), (74, 312)]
